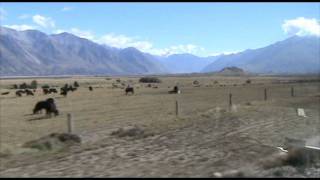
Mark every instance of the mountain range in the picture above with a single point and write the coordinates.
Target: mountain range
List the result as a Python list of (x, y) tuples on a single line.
[(295, 55), (33, 53)]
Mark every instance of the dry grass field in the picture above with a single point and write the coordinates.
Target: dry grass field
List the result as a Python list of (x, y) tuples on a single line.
[(206, 137)]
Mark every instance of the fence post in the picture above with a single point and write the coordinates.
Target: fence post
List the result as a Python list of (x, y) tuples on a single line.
[(230, 100), (265, 94), (70, 123), (177, 108), (292, 92)]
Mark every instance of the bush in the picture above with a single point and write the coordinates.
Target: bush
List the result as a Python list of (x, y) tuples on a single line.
[(196, 82), (149, 80), (34, 84), (248, 81)]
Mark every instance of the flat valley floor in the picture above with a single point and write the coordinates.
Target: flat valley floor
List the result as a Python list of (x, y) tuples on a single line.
[(207, 136)]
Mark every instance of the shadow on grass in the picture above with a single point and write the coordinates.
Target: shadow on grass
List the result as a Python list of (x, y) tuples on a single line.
[(39, 118)]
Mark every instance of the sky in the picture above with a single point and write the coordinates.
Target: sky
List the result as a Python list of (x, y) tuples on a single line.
[(202, 29)]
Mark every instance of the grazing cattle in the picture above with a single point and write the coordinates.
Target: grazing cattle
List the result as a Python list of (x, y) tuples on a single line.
[(19, 93), (129, 89), (29, 92), (45, 91), (5, 93), (175, 90), (53, 90), (90, 88), (48, 105), (64, 92)]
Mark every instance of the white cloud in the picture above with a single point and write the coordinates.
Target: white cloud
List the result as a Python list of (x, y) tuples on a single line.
[(3, 14), (21, 27), (66, 9), (123, 41), (302, 26), (24, 16), (178, 49), (83, 34), (43, 21), (224, 53)]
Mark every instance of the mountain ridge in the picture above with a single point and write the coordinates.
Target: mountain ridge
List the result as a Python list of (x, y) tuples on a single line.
[(32, 52)]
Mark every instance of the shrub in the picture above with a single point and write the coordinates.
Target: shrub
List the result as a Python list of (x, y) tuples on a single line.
[(34, 84), (196, 82), (149, 80), (248, 81)]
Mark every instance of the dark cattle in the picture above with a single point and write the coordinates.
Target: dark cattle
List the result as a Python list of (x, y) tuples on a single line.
[(64, 93), (19, 93), (48, 105), (129, 89), (53, 90), (90, 88), (45, 91), (5, 93), (29, 92)]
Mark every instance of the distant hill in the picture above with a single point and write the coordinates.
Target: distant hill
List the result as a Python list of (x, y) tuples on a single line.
[(32, 52), (231, 71), (292, 56)]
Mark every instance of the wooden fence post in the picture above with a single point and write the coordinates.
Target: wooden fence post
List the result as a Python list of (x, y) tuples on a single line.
[(265, 94), (230, 100), (292, 92), (177, 108), (70, 123)]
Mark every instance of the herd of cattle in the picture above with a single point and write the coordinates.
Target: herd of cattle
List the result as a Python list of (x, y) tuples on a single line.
[(49, 104)]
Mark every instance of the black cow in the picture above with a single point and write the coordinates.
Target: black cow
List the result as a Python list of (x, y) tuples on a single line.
[(129, 89), (53, 90), (29, 92), (20, 92), (48, 105), (45, 91), (64, 92)]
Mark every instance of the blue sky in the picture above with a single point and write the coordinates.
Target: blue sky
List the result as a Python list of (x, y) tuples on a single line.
[(165, 28)]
